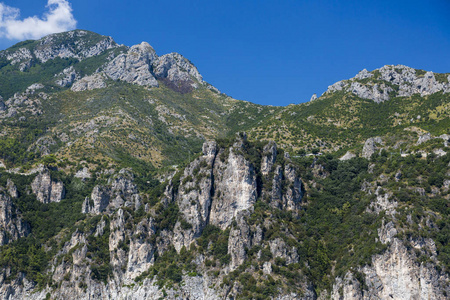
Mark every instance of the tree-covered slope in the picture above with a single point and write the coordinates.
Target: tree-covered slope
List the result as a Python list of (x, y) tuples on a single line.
[(124, 175)]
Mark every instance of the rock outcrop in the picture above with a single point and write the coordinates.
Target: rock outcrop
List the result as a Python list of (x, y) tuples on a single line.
[(134, 66), (120, 191), (67, 77), (371, 146), (394, 275), (88, 83), (12, 227), (46, 189), (391, 81)]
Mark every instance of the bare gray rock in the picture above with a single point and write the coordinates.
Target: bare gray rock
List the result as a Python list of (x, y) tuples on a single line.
[(239, 240), (99, 200), (405, 79), (46, 189), (195, 196), (376, 92), (279, 249), (67, 77), (88, 83), (347, 156), (12, 227), (134, 66), (83, 174), (176, 68), (371, 147), (235, 189), (423, 138), (2, 105), (50, 46), (269, 158), (12, 189)]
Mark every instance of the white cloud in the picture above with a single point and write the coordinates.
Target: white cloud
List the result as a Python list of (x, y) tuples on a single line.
[(58, 18)]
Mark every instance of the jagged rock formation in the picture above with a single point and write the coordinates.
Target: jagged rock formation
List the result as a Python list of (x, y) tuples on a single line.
[(64, 45), (67, 77), (142, 66), (120, 191), (371, 146), (243, 218), (390, 81), (395, 274), (89, 83), (12, 227), (219, 188), (134, 66), (46, 189)]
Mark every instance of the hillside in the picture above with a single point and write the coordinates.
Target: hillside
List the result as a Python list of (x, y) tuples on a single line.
[(123, 174)]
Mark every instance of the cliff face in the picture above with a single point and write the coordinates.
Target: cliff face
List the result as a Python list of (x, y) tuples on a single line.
[(391, 81), (217, 191), (12, 227), (395, 274), (119, 212), (215, 214)]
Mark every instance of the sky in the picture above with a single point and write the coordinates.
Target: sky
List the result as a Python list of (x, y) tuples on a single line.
[(267, 52)]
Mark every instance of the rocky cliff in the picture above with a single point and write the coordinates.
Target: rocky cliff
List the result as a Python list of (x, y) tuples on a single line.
[(107, 192), (392, 81), (229, 221)]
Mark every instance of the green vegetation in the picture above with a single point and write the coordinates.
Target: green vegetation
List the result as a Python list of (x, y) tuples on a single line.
[(155, 133)]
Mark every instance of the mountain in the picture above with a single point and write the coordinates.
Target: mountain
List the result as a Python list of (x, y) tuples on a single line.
[(123, 174)]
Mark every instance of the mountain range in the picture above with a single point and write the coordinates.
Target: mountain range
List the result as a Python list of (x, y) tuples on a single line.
[(124, 175)]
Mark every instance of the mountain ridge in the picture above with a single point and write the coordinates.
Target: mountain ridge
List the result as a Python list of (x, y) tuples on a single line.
[(124, 175)]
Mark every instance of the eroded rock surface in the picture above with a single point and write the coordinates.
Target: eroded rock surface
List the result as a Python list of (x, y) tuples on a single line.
[(46, 189)]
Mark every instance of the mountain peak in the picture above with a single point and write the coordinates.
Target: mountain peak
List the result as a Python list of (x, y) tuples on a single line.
[(138, 64), (392, 81)]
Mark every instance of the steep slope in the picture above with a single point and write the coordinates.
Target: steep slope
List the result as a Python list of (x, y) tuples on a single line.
[(347, 113), (124, 175), (85, 97)]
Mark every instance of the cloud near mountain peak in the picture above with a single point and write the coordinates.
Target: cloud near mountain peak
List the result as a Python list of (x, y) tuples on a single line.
[(58, 18)]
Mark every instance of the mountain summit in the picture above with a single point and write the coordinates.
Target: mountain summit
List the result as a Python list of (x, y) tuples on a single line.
[(124, 175)]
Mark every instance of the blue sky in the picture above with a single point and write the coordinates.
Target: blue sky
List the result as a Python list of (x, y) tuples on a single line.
[(270, 52)]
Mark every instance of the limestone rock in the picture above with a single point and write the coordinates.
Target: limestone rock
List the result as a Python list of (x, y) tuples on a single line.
[(100, 197), (50, 46), (363, 74), (66, 77), (239, 240), (348, 288), (2, 105), (347, 156), (120, 191), (83, 174), (236, 181), (42, 145), (140, 255), (134, 66), (371, 147), (21, 56), (12, 226), (423, 138), (377, 93), (313, 97), (46, 189), (277, 196), (195, 196), (279, 249), (269, 158), (88, 83), (405, 80), (178, 71), (12, 189)]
